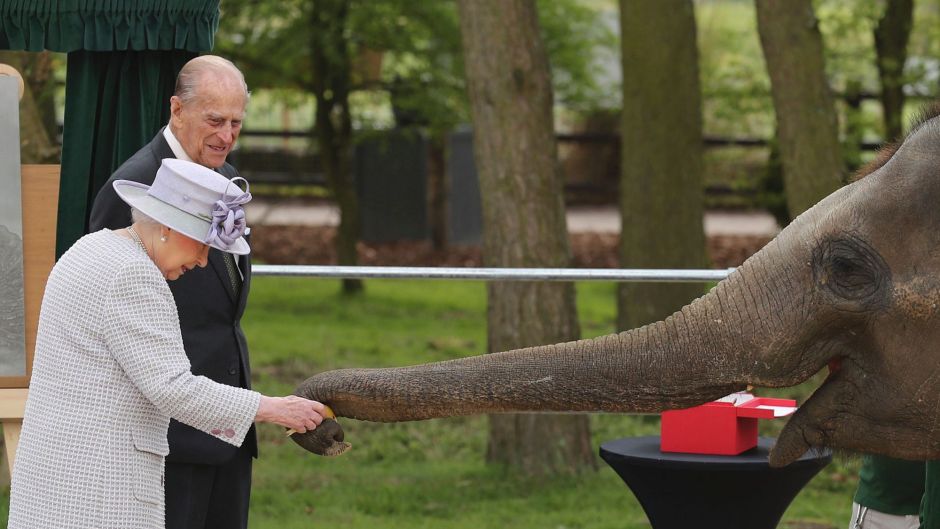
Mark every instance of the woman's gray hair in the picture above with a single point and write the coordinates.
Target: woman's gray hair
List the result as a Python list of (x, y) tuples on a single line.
[(187, 82), (142, 218)]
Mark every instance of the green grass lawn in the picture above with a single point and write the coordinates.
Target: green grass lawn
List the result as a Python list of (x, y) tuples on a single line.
[(431, 474)]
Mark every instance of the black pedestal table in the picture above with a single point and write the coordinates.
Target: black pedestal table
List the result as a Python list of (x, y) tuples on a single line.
[(679, 491)]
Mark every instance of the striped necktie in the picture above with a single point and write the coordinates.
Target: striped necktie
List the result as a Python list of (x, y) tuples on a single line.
[(233, 277)]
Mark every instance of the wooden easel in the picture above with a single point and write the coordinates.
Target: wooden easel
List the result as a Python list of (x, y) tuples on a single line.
[(40, 191)]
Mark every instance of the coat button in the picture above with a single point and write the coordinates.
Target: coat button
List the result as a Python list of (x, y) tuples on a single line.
[(232, 371), (215, 431), (229, 432)]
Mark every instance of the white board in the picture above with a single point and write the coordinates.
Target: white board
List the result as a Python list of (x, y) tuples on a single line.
[(12, 314)]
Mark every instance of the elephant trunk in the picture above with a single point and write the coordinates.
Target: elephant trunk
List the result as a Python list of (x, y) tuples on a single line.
[(702, 352), (581, 376), (714, 346)]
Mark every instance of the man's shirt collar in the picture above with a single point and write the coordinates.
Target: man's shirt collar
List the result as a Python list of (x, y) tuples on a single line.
[(175, 145)]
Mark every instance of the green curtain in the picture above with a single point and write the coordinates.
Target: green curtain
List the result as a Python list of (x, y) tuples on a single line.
[(115, 102), (108, 25), (123, 57)]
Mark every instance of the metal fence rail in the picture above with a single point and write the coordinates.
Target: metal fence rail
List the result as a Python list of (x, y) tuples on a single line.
[(493, 274)]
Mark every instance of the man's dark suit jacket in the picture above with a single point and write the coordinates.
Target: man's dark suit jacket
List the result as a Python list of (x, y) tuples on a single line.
[(208, 311)]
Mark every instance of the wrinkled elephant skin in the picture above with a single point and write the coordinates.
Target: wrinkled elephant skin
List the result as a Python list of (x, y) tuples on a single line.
[(852, 284)]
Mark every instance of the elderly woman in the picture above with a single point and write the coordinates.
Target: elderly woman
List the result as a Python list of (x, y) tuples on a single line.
[(110, 371)]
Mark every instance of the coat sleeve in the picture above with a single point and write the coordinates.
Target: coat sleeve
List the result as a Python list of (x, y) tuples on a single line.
[(143, 335)]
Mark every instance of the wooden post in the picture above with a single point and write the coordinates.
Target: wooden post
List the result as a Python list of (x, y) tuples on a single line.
[(12, 405)]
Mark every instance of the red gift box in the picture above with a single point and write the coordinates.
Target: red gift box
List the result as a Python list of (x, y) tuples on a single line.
[(724, 427)]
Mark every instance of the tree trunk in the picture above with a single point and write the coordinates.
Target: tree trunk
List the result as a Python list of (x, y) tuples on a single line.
[(806, 116), (510, 94), (332, 70), (37, 142), (891, 37), (661, 196), (41, 77)]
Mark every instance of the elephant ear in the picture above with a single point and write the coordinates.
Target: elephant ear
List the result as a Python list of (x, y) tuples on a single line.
[(325, 440)]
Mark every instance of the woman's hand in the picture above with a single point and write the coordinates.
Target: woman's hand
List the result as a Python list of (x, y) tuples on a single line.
[(296, 413)]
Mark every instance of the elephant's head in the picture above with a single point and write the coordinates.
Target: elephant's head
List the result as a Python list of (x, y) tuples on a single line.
[(852, 284)]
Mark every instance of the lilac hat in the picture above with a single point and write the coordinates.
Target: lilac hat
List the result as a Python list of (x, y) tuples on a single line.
[(195, 201)]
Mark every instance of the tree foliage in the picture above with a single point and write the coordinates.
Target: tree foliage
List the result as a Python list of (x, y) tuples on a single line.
[(735, 85), (37, 111), (421, 73)]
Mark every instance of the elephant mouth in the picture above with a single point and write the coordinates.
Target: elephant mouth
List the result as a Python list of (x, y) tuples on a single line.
[(835, 365), (815, 422)]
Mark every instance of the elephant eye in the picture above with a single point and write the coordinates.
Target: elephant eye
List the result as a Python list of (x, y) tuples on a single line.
[(851, 275), (851, 269)]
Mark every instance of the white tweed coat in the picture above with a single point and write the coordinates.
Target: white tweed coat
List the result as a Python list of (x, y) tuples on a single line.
[(108, 373)]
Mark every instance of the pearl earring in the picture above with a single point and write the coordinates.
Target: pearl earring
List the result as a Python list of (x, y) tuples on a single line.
[(163, 238)]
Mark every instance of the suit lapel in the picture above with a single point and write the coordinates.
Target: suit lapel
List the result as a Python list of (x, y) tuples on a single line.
[(160, 148), (244, 264)]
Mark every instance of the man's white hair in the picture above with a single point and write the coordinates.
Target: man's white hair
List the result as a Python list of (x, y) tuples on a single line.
[(187, 82)]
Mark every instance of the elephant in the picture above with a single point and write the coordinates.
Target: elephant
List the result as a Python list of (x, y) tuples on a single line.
[(852, 285)]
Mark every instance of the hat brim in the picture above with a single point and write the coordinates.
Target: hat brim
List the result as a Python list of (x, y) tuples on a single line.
[(135, 194)]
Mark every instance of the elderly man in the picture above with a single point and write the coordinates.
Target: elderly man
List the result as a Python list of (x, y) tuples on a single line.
[(208, 482)]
